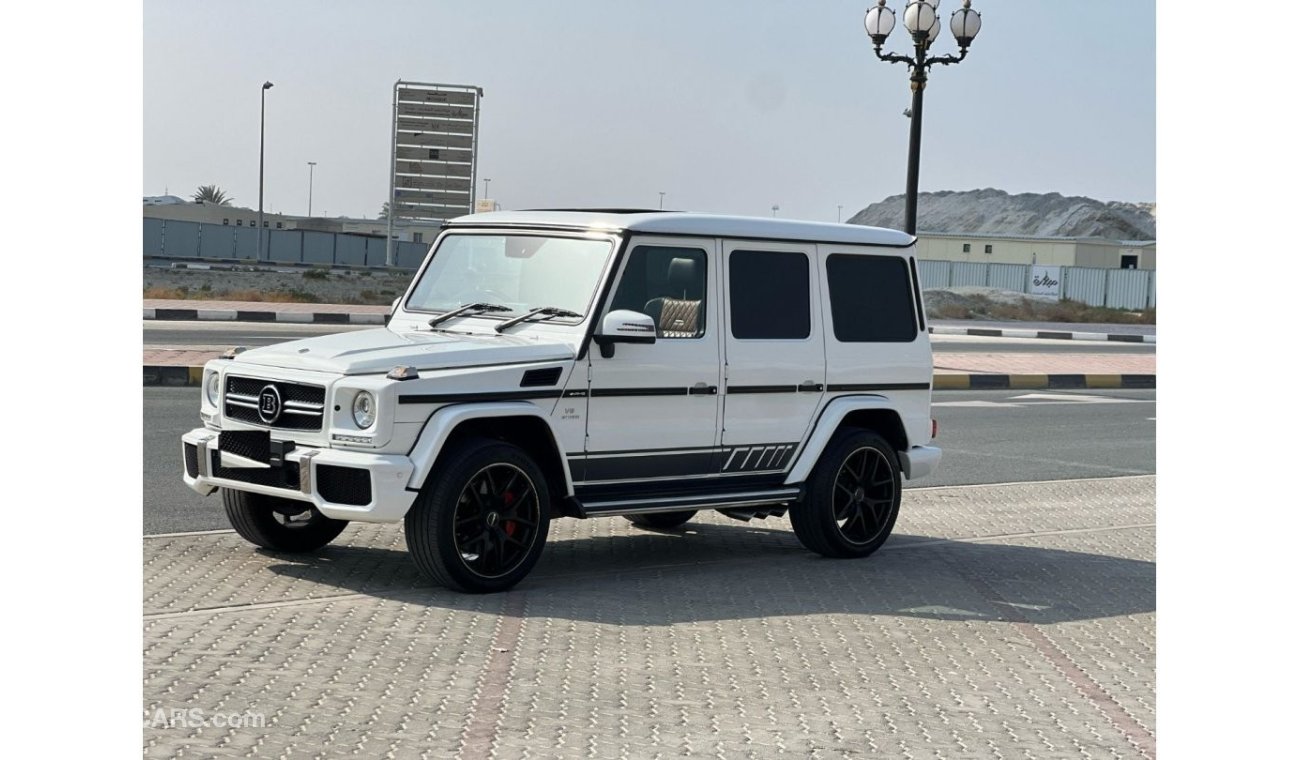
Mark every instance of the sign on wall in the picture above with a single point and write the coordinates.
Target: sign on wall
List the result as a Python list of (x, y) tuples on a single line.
[(1045, 281)]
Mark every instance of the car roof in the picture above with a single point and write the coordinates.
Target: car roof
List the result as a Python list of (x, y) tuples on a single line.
[(688, 223)]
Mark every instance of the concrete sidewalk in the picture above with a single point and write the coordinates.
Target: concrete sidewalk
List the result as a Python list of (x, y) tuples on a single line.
[(1012, 620)]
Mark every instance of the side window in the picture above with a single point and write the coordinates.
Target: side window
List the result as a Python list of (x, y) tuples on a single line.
[(669, 284), (871, 299), (769, 295)]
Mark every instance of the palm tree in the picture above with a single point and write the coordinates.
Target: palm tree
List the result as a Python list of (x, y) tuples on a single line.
[(213, 195)]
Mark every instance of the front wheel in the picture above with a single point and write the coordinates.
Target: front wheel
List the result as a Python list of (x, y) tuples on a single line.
[(283, 525), (852, 497), (480, 522)]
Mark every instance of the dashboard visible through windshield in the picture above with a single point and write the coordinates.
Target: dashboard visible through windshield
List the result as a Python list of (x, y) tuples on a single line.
[(521, 272)]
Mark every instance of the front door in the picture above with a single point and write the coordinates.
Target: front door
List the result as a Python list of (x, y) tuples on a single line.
[(652, 412)]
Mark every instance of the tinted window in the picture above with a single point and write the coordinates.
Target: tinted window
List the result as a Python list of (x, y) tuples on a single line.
[(669, 284), (871, 299), (769, 295)]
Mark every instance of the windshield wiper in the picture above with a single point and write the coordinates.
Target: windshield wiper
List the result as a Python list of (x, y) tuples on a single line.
[(476, 308), (546, 312)]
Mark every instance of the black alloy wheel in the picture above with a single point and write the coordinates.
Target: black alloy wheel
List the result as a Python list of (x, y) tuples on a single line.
[(852, 497), (863, 501), (480, 521), (497, 516)]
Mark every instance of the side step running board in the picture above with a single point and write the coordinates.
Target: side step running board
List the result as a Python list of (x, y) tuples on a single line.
[(676, 503)]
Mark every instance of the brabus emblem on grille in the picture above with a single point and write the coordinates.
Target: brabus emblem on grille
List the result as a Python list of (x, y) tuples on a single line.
[(268, 404)]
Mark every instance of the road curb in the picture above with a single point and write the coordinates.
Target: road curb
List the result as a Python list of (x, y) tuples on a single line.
[(163, 375), (244, 315), (992, 332)]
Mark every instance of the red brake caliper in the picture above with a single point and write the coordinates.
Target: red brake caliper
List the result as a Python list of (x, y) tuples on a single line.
[(509, 525)]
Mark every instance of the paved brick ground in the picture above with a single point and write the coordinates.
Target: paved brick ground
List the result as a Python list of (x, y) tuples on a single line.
[(1000, 621)]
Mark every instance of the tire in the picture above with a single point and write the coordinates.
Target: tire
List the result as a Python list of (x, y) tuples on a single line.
[(852, 497), (480, 522), (661, 520), (278, 524)]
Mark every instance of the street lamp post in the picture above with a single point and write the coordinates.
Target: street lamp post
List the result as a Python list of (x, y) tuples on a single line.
[(661, 200), (311, 179), (921, 19), (839, 212), (261, 168)]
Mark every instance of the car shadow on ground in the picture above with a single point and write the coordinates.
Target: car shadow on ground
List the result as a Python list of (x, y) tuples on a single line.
[(721, 572)]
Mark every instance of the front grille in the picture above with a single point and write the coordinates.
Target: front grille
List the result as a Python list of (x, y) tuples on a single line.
[(191, 460), (343, 485), (303, 405), (285, 476)]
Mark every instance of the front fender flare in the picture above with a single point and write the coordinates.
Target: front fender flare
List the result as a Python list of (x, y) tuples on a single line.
[(443, 421)]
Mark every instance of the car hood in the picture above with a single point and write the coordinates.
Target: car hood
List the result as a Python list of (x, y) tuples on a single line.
[(379, 350)]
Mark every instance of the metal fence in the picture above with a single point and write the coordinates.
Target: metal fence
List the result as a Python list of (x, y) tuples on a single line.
[(219, 242), (1117, 288)]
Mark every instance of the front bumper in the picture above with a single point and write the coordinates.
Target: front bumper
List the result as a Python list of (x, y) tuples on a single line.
[(919, 461), (299, 477)]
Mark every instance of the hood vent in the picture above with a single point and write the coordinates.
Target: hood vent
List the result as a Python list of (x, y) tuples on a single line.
[(538, 378)]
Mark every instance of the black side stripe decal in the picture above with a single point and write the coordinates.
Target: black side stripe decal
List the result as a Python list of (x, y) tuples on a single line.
[(462, 398), (878, 387)]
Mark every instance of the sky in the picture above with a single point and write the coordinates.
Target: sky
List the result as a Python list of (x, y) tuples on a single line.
[(725, 106)]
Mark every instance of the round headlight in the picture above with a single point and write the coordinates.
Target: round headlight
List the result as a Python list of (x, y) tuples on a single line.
[(363, 410), (212, 388)]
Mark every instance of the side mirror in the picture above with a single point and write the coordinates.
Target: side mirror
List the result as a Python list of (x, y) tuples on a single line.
[(624, 326)]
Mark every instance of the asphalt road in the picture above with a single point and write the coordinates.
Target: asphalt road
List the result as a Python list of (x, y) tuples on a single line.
[(987, 437), (225, 334)]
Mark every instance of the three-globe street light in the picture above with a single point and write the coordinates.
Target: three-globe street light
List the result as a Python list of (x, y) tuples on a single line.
[(261, 166), (921, 19)]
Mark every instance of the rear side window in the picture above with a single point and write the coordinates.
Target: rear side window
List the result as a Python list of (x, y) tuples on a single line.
[(871, 299), (769, 295)]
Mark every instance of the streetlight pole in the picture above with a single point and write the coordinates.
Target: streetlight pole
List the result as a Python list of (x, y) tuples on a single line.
[(486, 182), (311, 179), (661, 200), (261, 168), (921, 19), (839, 212)]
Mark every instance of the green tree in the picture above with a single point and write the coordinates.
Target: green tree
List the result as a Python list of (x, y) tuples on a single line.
[(211, 194), (383, 211)]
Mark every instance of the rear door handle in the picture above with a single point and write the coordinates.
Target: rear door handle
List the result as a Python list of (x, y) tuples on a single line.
[(703, 389)]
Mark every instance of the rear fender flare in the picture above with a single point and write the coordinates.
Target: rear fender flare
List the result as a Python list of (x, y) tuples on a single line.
[(829, 421)]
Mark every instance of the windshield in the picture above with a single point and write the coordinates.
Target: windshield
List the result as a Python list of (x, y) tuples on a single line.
[(522, 272)]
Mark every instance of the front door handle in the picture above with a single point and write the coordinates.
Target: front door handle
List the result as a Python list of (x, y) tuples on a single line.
[(809, 386), (703, 389)]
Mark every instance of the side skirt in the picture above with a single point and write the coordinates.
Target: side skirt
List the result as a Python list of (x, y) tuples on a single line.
[(646, 503)]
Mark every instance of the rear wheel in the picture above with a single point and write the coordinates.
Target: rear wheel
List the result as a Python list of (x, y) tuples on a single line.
[(662, 520), (283, 525), (480, 522), (852, 497)]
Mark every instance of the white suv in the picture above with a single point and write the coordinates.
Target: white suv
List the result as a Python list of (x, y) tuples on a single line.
[(585, 364)]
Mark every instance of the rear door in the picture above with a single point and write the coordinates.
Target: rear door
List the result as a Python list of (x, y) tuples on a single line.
[(775, 357)]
